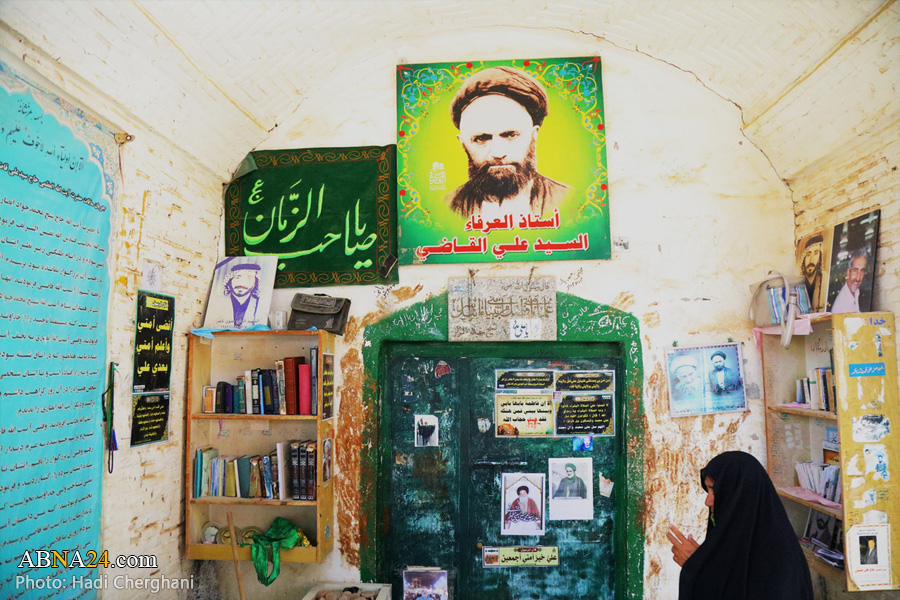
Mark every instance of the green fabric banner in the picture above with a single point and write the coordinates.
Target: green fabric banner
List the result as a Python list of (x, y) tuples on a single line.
[(329, 214)]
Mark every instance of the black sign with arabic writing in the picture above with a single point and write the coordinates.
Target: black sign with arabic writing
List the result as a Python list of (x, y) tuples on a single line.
[(583, 415), (329, 214), (149, 419), (153, 342)]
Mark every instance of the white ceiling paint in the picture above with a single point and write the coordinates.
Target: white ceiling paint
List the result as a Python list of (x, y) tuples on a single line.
[(215, 77)]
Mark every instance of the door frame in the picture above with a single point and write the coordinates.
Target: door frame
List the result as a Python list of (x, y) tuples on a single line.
[(578, 320)]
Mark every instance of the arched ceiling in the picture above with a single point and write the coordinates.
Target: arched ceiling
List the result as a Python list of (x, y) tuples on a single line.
[(217, 76)]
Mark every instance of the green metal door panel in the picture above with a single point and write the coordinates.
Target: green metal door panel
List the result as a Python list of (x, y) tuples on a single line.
[(446, 500), (424, 509), (586, 548)]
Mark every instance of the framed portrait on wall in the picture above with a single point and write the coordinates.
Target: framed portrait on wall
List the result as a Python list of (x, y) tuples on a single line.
[(241, 292), (814, 264), (705, 379), (852, 270), (501, 161)]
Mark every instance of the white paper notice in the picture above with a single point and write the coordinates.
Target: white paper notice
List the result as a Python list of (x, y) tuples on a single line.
[(571, 489), (868, 554)]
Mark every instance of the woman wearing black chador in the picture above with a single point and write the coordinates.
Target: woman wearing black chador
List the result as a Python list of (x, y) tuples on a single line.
[(750, 551)]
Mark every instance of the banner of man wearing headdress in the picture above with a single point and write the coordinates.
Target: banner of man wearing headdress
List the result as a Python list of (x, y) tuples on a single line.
[(501, 161)]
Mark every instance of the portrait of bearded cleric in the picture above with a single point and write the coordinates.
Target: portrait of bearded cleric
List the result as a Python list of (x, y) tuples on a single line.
[(502, 160), (499, 112)]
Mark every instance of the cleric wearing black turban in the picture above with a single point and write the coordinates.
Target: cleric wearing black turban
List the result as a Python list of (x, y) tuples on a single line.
[(498, 112)]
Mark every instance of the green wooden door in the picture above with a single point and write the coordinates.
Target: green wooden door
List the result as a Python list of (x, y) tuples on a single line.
[(445, 500)]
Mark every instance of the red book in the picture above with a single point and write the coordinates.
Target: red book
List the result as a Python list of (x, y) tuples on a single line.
[(303, 390), (290, 383)]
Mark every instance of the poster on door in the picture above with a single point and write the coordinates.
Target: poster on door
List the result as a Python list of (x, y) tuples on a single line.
[(571, 492), (523, 504)]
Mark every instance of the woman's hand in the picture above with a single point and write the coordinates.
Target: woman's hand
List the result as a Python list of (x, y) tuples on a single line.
[(682, 546)]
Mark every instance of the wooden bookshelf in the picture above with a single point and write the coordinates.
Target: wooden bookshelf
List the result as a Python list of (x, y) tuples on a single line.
[(806, 412), (861, 350), (223, 358)]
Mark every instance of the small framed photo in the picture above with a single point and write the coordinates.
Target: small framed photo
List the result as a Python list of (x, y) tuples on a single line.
[(820, 529), (705, 379)]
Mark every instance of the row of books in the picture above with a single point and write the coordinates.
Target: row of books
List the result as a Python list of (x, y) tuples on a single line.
[(288, 389), (822, 478), (817, 391), (287, 473)]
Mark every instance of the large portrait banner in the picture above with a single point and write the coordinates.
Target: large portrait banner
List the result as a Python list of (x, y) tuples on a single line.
[(328, 214), (502, 161)]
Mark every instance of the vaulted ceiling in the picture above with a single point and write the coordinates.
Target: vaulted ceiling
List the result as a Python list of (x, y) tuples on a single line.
[(215, 77)]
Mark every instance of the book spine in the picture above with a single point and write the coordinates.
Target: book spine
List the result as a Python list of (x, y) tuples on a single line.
[(254, 384), (209, 399), (295, 470), (314, 380), (304, 394), (280, 385), (254, 477), (276, 483), (239, 404), (267, 401), (290, 385), (265, 475), (248, 391), (303, 481), (229, 398), (311, 469), (283, 454), (220, 396)]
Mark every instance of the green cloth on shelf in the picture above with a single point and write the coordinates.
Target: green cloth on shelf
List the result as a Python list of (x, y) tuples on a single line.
[(266, 547)]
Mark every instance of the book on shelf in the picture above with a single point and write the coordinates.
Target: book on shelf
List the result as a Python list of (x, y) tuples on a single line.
[(273, 475), (243, 470), (279, 387), (314, 380), (283, 457), (290, 383), (207, 456), (255, 392), (230, 487), (254, 477), (220, 396), (821, 478), (295, 470), (248, 391), (265, 476), (311, 470), (239, 402), (304, 390), (209, 399)]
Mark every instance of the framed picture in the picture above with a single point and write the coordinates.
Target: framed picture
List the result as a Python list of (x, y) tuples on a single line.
[(705, 379), (523, 504), (430, 583), (820, 529), (501, 161), (852, 271), (814, 263), (241, 292)]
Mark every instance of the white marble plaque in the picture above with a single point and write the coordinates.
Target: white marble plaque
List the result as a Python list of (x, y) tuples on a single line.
[(502, 309)]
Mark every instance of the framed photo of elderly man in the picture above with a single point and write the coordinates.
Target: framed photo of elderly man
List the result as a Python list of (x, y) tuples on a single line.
[(852, 273), (705, 379), (501, 161)]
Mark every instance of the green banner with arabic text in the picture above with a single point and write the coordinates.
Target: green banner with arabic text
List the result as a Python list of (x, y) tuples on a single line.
[(329, 214)]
